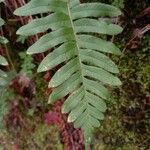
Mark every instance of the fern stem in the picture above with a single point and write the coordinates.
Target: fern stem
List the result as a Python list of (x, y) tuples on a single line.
[(9, 57), (74, 32), (72, 24)]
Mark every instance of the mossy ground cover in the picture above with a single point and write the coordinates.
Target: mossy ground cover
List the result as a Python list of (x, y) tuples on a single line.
[(127, 121)]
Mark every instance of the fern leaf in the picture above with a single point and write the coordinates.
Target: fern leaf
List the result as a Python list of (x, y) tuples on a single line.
[(86, 70), (64, 73), (51, 40), (95, 43), (3, 60), (3, 40), (53, 21), (94, 26), (94, 10), (98, 59), (3, 75), (1, 22), (60, 55)]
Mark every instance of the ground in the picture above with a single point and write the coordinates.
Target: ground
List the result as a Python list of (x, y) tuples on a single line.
[(127, 120)]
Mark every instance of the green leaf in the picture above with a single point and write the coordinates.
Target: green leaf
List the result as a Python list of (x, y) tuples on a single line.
[(94, 10), (2, 1), (33, 7), (2, 73), (54, 21), (3, 61), (101, 75), (98, 59), (77, 111), (64, 73), (61, 54), (74, 3), (81, 119), (95, 26), (72, 101), (51, 40), (95, 43), (3, 40), (73, 45), (3, 82), (61, 91), (96, 88), (96, 102), (37, 7), (1, 22)]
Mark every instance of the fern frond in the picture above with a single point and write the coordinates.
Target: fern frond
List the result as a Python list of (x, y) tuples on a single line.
[(1, 22), (3, 60), (86, 70), (3, 40)]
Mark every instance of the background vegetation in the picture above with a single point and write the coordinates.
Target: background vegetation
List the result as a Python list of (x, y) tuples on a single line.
[(30, 124)]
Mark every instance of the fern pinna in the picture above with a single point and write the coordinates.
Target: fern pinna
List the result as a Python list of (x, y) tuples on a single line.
[(85, 70), (3, 61)]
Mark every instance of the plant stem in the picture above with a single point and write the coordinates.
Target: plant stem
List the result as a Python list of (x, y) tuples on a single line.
[(9, 57)]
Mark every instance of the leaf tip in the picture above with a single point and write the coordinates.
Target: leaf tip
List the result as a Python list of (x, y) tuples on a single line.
[(29, 52), (49, 100), (5, 63), (119, 82), (118, 52), (39, 70), (18, 32), (63, 110), (51, 84), (16, 12), (69, 120)]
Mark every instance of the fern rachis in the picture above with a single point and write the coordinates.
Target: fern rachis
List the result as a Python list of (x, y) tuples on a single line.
[(3, 60), (3, 80), (87, 70)]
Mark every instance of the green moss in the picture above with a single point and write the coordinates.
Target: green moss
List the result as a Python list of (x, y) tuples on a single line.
[(47, 138), (122, 128), (27, 64)]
